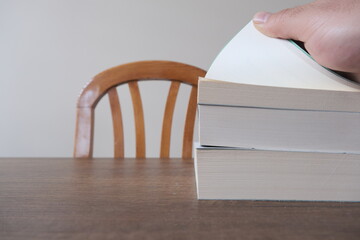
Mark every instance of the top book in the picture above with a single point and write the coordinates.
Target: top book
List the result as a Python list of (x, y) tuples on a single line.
[(281, 72), (253, 58)]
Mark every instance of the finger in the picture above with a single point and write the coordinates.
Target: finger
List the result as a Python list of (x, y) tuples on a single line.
[(293, 23)]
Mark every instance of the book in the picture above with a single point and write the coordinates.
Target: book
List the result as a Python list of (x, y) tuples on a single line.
[(253, 58), (252, 174), (271, 129), (222, 93), (267, 93)]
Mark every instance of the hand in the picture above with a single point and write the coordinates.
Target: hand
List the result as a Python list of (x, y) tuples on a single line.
[(330, 30)]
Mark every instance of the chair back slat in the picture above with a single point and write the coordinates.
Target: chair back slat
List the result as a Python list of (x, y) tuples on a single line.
[(167, 119), (117, 123), (189, 124), (139, 119)]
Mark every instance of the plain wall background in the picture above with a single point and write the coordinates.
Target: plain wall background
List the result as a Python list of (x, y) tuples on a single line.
[(49, 49)]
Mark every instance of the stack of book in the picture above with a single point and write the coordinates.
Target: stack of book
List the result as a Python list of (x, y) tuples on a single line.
[(275, 125)]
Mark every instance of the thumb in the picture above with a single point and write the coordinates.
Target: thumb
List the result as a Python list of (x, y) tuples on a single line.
[(291, 23)]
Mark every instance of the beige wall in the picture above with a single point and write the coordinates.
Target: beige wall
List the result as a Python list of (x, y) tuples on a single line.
[(49, 50)]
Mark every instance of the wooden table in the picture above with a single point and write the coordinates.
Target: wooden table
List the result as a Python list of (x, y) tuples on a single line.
[(148, 199)]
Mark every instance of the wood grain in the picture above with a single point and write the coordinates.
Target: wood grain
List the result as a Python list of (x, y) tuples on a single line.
[(189, 124), (167, 119), (148, 199), (139, 120), (117, 123), (84, 134)]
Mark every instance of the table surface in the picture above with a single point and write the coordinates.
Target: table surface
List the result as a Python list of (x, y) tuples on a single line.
[(53, 198)]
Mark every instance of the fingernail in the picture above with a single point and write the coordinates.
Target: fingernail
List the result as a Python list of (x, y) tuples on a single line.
[(261, 17)]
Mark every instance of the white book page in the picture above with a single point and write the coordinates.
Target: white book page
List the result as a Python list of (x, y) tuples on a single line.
[(253, 58)]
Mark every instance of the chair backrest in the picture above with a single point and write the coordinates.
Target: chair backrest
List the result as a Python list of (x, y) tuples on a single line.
[(106, 83)]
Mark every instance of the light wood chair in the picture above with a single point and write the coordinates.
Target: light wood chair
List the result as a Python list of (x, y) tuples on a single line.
[(106, 83)]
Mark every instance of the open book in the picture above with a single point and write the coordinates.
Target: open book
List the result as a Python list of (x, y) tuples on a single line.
[(253, 58), (259, 71)]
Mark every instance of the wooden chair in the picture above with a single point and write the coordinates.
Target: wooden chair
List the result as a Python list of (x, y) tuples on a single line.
[(106, 83)]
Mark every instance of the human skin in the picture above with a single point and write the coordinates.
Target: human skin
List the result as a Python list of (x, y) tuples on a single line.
[(330, 30)]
